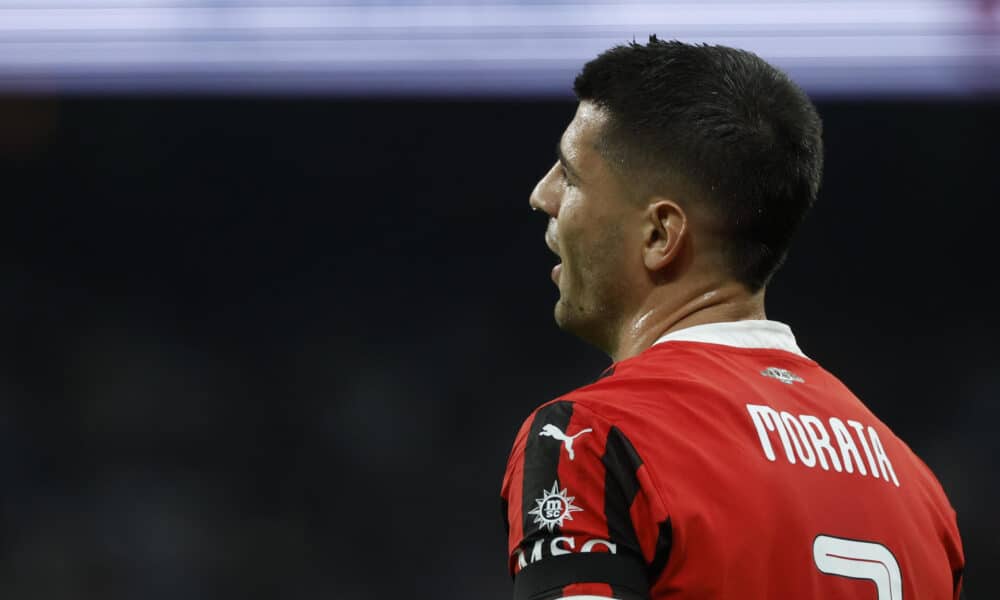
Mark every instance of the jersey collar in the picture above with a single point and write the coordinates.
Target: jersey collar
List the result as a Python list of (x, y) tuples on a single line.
[(770, 335)]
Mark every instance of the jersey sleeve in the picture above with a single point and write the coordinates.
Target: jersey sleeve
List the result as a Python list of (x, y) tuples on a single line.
[(582, 517)]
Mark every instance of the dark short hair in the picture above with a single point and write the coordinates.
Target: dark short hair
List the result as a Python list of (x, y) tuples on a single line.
[(721, 124)]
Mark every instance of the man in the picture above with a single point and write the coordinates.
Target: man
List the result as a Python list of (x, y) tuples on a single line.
[(713, 459)]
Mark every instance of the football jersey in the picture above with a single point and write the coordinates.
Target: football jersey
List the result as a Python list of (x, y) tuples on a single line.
[(723, 463)]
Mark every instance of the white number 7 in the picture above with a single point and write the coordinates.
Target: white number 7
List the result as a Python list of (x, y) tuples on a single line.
[(860, 560)]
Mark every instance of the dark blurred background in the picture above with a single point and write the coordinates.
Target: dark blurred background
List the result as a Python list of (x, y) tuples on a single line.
[(261, 348)]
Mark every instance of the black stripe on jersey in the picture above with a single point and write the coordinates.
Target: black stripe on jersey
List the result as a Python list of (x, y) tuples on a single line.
[(541, 462), (664, 541), (546, 579), (621, 484)]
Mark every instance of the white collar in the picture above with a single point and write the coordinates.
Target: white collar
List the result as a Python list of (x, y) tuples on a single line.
[(770, 335)]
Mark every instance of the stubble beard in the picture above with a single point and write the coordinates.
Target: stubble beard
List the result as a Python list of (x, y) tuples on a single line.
[(591, 299)]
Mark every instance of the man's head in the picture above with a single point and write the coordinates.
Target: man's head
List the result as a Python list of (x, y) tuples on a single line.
[(682, 161)]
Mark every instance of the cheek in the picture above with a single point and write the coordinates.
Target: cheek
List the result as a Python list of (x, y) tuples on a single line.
[(575, 243), (593, 250), (577, 222)]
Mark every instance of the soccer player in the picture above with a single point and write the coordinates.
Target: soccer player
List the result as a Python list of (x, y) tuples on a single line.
[(713, 459)]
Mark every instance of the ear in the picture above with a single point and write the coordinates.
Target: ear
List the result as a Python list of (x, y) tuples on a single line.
[(666, 231)]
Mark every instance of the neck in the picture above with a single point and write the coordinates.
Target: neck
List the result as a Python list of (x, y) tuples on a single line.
[(710, 304)]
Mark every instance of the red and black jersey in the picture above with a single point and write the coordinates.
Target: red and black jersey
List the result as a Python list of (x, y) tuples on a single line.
[(723, 463)]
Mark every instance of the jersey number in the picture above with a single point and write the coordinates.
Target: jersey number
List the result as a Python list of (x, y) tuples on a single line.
[(860, 560)]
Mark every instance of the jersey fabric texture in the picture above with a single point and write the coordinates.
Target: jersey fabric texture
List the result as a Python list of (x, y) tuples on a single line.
[(723, 463)]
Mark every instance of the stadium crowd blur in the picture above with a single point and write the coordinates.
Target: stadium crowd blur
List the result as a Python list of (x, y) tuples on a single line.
[(277, 348)]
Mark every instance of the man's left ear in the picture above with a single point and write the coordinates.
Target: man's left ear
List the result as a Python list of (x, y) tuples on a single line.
[(666, 230)]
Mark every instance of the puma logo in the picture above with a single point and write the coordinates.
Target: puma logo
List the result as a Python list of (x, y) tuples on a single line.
[(554, 432)]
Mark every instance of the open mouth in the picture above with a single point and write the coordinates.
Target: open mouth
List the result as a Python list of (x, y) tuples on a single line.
[(550, 241)]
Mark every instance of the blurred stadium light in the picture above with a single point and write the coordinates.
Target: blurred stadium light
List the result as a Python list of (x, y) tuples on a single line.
[(832, 47)]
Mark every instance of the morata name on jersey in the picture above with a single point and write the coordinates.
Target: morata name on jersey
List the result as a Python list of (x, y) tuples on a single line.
[(807, 440)]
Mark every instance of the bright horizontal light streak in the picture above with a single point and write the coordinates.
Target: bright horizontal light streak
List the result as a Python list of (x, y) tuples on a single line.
[(770, 15), (526, 46)]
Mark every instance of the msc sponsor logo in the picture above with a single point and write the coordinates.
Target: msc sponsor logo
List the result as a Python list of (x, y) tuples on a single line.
[(558, 546), (553, 508)]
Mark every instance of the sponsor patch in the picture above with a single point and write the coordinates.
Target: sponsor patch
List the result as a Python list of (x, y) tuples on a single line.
[(554, 507)]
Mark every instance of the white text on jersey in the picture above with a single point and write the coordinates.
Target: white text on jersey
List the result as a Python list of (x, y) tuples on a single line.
[(808, 439), (561, 545)]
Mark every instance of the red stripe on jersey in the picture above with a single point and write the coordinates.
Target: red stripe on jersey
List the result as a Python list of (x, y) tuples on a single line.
[(583, 477), (513, 493), (512, 490), (641, 511), (602, 590)]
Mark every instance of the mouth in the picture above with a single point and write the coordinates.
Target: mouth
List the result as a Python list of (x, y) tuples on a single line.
[(550, 241)]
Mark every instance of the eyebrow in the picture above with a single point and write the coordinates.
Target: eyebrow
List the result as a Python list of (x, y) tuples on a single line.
[(565, 161)]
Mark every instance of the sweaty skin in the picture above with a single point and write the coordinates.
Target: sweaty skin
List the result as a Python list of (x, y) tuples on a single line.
[(632, 268)]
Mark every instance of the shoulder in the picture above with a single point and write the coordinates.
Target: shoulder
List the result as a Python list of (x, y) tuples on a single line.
[(664, 371), (629, 391), (611, 401), (594, 410), (560, 417), (662, 375)]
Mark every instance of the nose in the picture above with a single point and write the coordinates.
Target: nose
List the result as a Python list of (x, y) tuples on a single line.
[(545, 196)]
